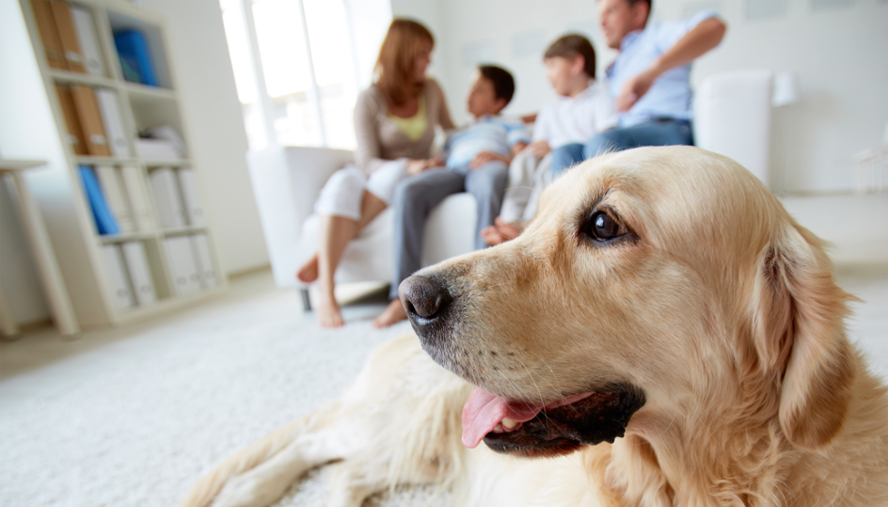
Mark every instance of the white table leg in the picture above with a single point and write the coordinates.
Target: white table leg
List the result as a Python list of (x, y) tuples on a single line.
[(50, 274)]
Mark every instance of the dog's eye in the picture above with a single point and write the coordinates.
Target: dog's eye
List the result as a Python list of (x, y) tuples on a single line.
[(603, 227)]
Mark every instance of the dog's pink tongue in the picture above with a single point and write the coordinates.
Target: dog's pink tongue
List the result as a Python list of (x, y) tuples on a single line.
[(484, 411)]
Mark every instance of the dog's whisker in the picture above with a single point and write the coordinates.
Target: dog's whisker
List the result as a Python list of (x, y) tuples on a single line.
[(555, 381), (535, 385)]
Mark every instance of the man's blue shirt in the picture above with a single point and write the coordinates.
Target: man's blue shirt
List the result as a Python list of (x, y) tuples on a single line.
[(670, 95)]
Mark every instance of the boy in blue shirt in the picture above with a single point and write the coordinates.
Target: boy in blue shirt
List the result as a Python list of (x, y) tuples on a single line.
[(477, 162)]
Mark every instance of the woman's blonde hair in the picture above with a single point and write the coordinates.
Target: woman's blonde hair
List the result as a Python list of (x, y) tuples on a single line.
[(394, 66)]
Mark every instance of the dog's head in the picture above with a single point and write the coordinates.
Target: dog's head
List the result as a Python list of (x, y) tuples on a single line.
[(653, 281)]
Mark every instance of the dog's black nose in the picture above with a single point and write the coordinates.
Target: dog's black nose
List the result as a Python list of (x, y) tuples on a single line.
[(423, 297)]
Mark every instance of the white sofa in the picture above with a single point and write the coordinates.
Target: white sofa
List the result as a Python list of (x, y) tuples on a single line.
[(732, 117)]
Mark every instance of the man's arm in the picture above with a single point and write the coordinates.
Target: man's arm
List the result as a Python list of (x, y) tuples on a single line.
[(697, 42)]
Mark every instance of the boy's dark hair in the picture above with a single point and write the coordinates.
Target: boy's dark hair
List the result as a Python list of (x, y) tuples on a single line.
[(503, 82), (572, 45)]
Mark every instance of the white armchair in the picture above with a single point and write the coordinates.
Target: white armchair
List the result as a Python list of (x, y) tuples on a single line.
[(732, 117)]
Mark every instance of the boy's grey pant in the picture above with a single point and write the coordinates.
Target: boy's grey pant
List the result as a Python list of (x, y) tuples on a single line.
[(416, 197)]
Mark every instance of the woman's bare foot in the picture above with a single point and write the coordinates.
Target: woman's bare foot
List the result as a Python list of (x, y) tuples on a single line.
[(329, 314), (393, 314), (308, 272)]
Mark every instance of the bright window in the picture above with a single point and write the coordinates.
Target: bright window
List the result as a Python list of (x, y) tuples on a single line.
[(296, 67)]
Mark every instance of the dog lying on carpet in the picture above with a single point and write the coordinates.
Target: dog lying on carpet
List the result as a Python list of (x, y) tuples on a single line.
[(663, 332)]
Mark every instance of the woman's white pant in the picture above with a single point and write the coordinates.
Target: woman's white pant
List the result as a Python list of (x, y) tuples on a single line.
[(343, 192)]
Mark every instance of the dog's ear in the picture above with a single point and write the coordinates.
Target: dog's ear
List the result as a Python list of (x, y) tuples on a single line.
[(799, 333)]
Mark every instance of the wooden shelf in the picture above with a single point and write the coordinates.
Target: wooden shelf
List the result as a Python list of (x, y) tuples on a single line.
[(108, 239), (165, 305), (181, 231), (167, 163), (62, 76), (87, 160), (136, 90)]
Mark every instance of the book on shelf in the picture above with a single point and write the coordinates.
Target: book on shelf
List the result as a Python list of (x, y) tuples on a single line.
[(116, 278), (109, 107), (186, 275), (115, 194), (191, 197), (72, 123), (167, 198), (157, 149), (200, 243), (106, 223), (87, 107), (89, 41), (171, 136), (137, 192), (139, 271), (64, 20), (135, 57), (49, 34)]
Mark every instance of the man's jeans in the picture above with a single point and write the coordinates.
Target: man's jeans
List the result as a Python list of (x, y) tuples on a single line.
[(664, 132)]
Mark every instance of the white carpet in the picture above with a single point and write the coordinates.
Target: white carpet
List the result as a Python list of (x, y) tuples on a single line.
[(136, 422), (133, 417)]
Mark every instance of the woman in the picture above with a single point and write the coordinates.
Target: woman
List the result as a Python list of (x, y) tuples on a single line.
[(395, 121)]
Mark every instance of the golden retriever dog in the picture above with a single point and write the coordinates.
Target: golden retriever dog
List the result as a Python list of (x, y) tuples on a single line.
[(663, 334)]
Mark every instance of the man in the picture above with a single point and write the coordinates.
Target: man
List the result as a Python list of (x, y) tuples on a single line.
[(649, 80)]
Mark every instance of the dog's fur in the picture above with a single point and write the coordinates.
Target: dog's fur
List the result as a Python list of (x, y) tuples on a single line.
[(713, 303)]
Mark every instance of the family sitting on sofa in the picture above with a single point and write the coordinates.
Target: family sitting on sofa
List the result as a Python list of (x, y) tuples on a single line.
[(645, 101)]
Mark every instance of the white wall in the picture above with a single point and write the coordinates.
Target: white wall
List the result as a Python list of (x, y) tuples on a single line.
[(216, 128), (429, 13), (369, 20), (839, 56)]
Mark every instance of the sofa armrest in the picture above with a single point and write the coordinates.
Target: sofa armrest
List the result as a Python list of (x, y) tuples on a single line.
[(310, 168), (286, 182), (732, 117)]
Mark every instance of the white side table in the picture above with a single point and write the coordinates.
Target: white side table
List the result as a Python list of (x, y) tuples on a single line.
[(41, 248)]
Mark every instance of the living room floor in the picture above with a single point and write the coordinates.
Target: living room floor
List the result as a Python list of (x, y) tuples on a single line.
[(133, 416)]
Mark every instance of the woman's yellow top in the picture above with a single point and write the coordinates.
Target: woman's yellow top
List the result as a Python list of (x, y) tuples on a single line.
[(415, 126)]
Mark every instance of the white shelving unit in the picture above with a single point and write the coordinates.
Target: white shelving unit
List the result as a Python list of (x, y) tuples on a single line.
[(141, 107)]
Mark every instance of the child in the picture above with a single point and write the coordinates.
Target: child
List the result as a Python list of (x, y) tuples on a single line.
[(583, 108), (477, 161)]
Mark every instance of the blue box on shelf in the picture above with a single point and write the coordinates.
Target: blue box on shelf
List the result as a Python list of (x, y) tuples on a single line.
[(135, 58), (106, 222)]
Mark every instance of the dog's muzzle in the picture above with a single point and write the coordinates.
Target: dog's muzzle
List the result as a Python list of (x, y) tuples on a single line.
[(434, 310)]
